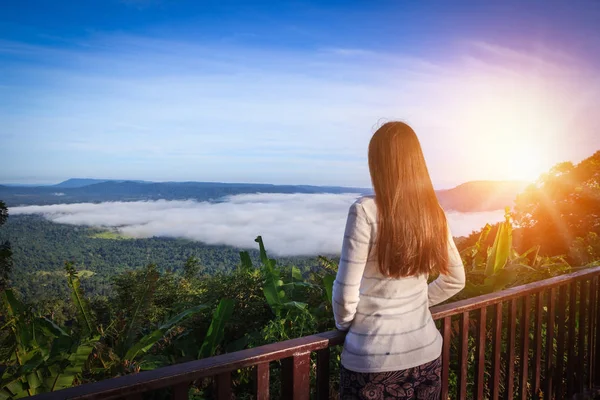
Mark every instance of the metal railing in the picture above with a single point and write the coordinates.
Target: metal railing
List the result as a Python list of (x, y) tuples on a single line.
[(540, 340)]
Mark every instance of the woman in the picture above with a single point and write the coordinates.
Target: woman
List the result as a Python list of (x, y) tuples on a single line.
[(393, 242)]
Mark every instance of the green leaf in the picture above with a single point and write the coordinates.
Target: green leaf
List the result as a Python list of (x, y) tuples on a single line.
[(150, 280), (14, 307), (83, 308), (50, 328), (499, 253), (296, 274), (272, 289), (293, 285), (246, 261), (328, 286), (263, 253), (215, 333), (502, 279), (146, 342), (294, 305)]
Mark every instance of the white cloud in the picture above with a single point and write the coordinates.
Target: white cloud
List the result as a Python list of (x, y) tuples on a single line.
[(291, 224)]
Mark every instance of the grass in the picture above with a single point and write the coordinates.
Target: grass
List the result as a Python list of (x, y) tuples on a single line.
[(84, 273), (109, 235)]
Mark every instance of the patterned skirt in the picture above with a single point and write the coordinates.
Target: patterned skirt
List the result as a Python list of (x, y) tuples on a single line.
[(422, 382)]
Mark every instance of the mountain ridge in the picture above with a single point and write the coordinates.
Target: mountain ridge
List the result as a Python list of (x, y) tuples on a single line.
[(471, 196)]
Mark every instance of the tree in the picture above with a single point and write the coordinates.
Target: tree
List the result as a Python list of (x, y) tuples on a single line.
[(5, 252), (191, 268), (563, 205)]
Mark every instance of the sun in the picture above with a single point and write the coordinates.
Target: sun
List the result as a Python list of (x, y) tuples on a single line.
[(514, 132)]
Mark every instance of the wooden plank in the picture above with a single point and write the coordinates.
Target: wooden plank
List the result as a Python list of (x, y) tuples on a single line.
[(524, 362), (581, 353), (180, 392), (571, 339), (560, 347), (223, 381), (537, 344), (480, 355), (510, 345), (463, 354), (447, 338), (323, 374), (295, 378), (549, 369), (261, 381), (496, 352)]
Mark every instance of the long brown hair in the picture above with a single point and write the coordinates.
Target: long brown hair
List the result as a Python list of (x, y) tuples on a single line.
[(412, 231)]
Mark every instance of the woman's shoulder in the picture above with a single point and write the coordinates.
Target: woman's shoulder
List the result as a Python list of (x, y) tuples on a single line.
[(366, 201)]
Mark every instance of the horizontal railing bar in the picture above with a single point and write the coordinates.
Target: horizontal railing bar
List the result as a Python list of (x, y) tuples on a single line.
[(474, 303), (190, 371), (207, 367)]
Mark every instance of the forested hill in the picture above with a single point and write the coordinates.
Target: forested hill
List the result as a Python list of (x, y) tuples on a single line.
[(132, 191), (481, 195), (468, 197)]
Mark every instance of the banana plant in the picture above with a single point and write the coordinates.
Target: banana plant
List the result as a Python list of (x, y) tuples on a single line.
[(490, 263), (274, 288), (216, 330), (500, 265), (45, 357)]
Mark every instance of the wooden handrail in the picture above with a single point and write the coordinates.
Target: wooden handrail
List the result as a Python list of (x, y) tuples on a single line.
[(182, 374), (474, 303)]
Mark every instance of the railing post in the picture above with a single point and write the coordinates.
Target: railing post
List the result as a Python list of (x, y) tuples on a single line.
[(571, 369), (496, 352), (480, 357), (537, 345), (180, 392), (524, 371), (463, 356), (295, 377), (591, 331), (550, 366), (261, 381), (560, 347), (447, 338), (510, 362), (323, 374), (223, 381), (597, 355), (581, 355)]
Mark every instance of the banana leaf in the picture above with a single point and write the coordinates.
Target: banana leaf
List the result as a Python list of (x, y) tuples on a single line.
[(150, 280), (290, 305), (83, 308), (49, 328), (500, 252), (246, 261), (266, 261), (146, 342), (215, 333), (272, 290), (296, 274), (328, 286)]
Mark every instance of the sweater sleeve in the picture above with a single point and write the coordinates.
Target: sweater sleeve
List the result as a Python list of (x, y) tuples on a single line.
[(447, 285), (355, 252)]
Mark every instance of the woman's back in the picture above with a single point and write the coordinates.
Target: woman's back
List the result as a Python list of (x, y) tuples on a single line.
[(388, 320)]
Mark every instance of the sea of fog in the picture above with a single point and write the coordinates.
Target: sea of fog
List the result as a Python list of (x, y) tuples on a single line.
[(290, 224)]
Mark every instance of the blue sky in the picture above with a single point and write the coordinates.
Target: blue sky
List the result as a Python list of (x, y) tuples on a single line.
[(290, 92)]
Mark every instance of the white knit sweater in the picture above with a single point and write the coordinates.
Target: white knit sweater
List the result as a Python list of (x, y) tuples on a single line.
[(388, 320)]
